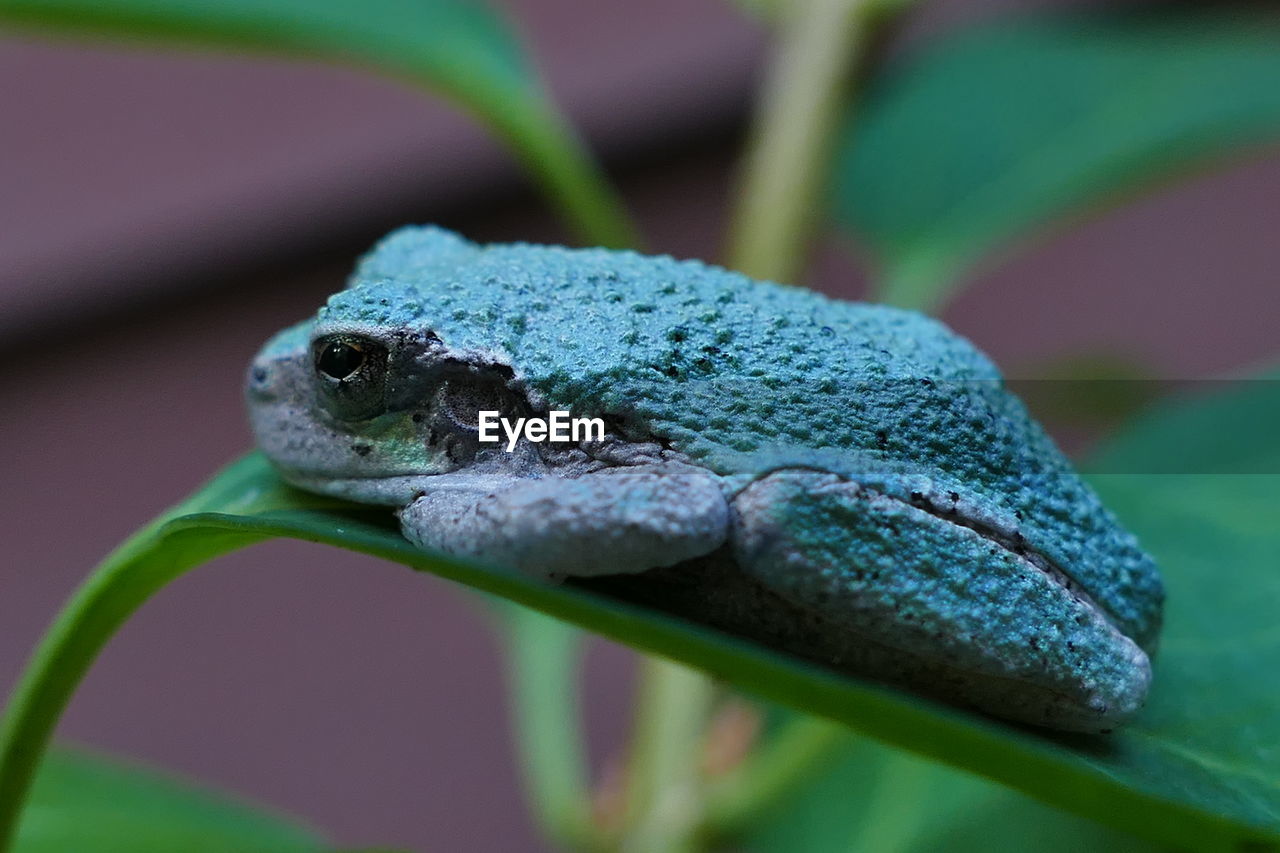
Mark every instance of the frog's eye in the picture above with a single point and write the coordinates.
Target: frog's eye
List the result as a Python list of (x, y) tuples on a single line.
[(340, 359), (352, 371)]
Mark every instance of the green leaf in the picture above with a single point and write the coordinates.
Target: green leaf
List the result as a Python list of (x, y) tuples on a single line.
[(869, 797), (85, 802), (1198, 768), (457, 47), (1218, 427), (984, 137)]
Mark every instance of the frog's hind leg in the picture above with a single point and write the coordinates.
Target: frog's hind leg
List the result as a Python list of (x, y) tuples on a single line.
[(907, 597)]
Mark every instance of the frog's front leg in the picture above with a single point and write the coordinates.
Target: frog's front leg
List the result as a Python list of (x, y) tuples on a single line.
[(921, 599), (611, 521)]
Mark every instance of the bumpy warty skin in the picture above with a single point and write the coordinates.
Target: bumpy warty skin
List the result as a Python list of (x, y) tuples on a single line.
[(748, 379)]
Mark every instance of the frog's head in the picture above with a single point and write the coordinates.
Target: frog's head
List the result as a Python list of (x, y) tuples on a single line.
[(364, 400)]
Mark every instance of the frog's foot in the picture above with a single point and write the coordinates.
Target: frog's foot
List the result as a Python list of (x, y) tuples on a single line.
[(917, 599), (611, 521)]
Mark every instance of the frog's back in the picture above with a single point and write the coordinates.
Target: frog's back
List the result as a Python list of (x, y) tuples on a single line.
[(705, 358)]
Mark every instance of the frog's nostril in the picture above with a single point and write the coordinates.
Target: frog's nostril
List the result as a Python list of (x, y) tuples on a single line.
[(260, 380)]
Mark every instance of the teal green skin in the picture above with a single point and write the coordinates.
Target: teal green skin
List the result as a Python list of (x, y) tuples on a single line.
[(882, 476)]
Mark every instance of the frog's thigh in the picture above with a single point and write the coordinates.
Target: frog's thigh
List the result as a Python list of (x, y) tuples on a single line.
[(912, 599), (618, 520)]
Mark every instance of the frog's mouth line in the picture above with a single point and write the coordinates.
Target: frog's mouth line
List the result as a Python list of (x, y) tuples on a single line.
[(391, 490)]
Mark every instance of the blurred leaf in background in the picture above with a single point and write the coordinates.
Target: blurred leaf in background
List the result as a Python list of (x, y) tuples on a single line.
[(973, 143), (1212, 427), (85, 802), (873, 798), (459, 48)]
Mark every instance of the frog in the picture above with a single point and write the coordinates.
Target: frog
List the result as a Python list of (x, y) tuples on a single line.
[(851, 483)]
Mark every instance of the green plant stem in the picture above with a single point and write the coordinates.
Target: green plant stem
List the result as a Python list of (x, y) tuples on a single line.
[(122, 583), (819, 43), (773, 770), (571, 178), (664, 802), (542, 663)]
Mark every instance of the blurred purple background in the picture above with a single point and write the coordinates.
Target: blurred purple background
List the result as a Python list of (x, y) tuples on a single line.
[(161, 213)]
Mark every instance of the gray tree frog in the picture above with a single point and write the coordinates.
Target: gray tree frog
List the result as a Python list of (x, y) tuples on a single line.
[(848, 482)]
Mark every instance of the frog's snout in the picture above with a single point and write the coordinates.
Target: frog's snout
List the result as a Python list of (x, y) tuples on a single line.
[(267, 380), (277, 370)]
